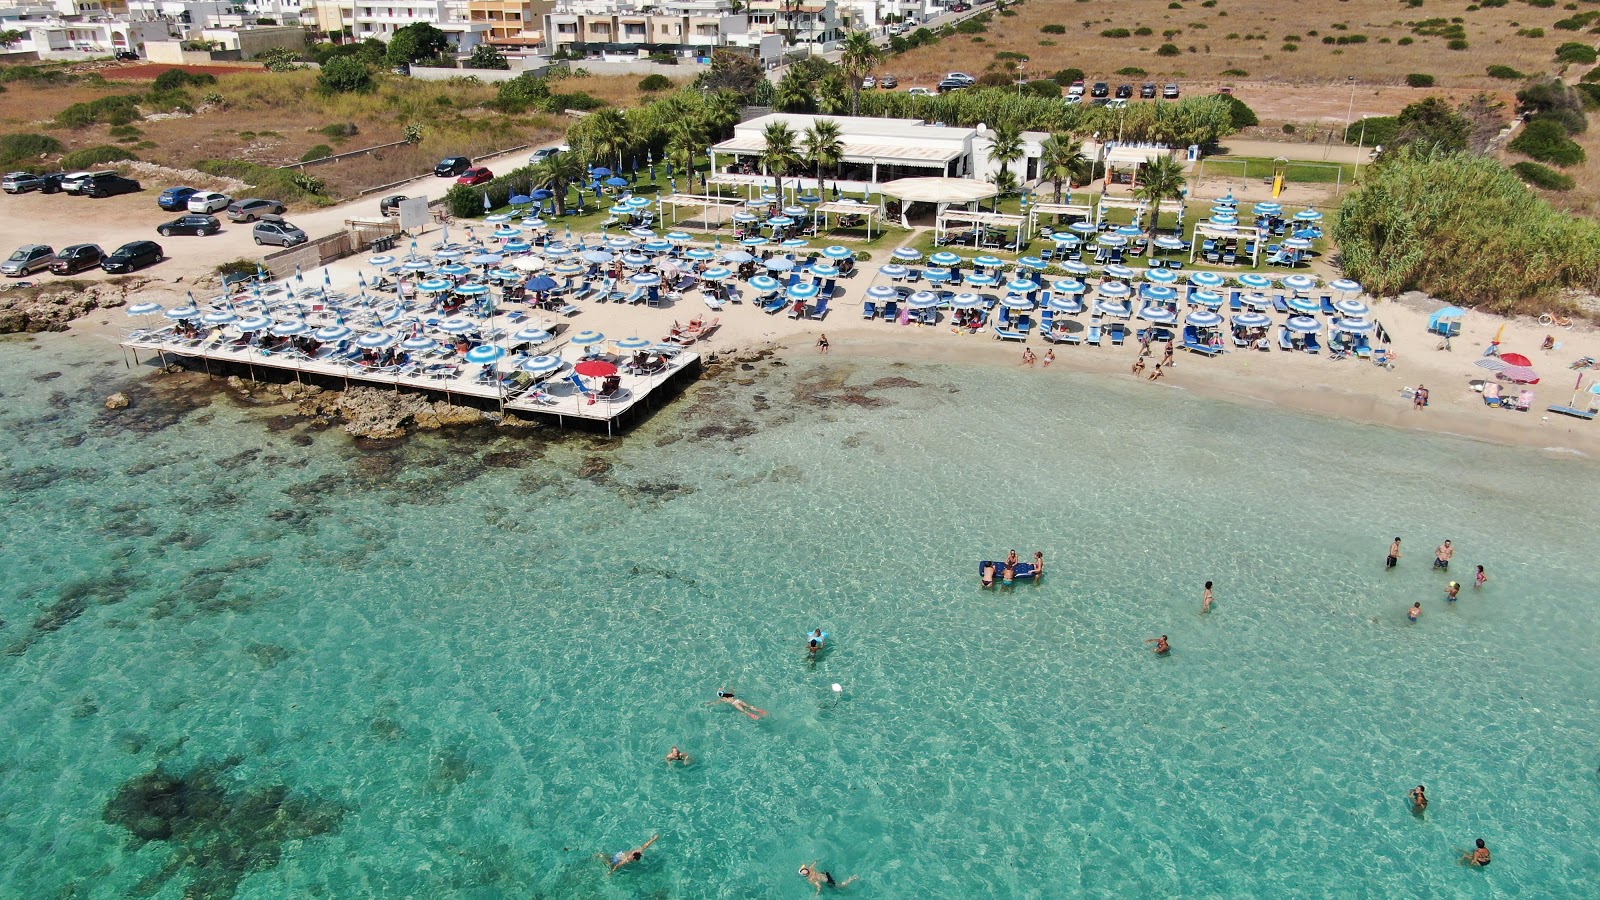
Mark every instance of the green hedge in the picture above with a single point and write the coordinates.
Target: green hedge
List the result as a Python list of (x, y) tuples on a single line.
[(1543, 176), (90, 157), (1547, 141), (116, 109), (23, 149)]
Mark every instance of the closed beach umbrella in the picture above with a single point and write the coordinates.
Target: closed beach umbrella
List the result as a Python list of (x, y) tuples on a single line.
[(532, 336), (823, 270), (1304, 305), (1210, 299), (1113, 289), (882, 292), (1161, 276), (945, 258), (219, 317), (1116, 271), (1206, 279), (587, 338), (1203, 318), (780, 264), (633, 343), (718, 273), (457, 325), (1354, 326), (374, 340), (144, 309), (982, 279), (290, 327), (1068, 286), (894, 270), (540, 365), (1354, 309), (645, 279), (1160, 293), (1016, 303), (434, 286), (1160, 315), (1066, 303), (764, 283), (485, 354), (699, 254), (803, 290), (1255, 281), (924, 300), (1076, 267), (1111, 308), (330, 333), (966, 300), (907, 254), (1345, 286), (989, 261), (187, 311), (838, 252), (1303, 324), (472, 290), (253, 323)]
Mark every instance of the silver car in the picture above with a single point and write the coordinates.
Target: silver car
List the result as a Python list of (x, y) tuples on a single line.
[(28, 259), (278, 232), (20, 182)]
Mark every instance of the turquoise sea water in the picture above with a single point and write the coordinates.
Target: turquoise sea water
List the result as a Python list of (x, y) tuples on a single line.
[(451, 668)]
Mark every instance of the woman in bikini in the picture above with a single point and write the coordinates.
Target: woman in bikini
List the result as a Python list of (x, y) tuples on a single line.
[(822, 879), (728, 698)]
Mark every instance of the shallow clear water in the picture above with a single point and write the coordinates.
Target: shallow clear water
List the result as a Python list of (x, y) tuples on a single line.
[(462, 663)]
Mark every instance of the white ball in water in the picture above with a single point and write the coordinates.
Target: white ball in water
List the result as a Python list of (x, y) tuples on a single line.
[(838, 689)]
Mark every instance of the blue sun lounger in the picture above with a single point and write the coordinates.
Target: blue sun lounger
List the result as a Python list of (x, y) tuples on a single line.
[(869, 310), (820, 311), (777, 304), (1094, 335), (1285, 342)]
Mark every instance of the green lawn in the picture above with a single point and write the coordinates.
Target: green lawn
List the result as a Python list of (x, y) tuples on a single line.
[(1261, 168)]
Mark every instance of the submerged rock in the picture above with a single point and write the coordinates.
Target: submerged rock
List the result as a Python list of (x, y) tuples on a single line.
[(119, 400)]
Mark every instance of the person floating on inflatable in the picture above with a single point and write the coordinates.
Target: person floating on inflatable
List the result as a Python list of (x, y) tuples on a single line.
[(988, 574), (816, 641)]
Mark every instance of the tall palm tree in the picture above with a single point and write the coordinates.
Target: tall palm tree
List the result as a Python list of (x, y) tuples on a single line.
[(1061, 160), (860, 53), (607, 136), (1005, 181), (1005, 145), (779, 155), (721, 113), (558, 173), (685, 136), (822, 145), (1160, 179)]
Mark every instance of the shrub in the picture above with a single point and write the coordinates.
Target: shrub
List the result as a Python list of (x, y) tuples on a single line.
[(1042, 88), (1505, 72), (1556, 101), (487, 56), (25, 148), (320, 151), (1418, 80), (1236, 73), (1066, 77), (1543, 176), (653, 82), (579, 101), (1530, 32), (1447, 224), (1143, 31), (1174, 5), (1574, 52), (345, 75), (1239, 114), (339, 131), (267, 181), (176, 79), (1132, 71), (1168, 50), (90, 157), (996, 79), (1289, 48), (239, 267), (116, 109), (1588, 93), (1457, 44), (1054, 29), (1547, 141), (1406, 42), (1116, 33)]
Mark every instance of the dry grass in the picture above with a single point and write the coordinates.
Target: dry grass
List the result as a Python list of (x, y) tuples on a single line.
[(1214, 40)]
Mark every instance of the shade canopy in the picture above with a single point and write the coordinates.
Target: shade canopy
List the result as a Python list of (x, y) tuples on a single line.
[(939, 190)]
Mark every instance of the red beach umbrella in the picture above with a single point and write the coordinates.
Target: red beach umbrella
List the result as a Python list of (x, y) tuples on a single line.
[(1516, 359), (595, 368)]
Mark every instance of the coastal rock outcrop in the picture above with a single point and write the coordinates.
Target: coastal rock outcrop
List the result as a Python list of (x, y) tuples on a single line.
[(52, 307), (378, 414)]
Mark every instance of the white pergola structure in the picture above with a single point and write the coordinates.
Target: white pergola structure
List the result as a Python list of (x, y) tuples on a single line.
[(1246, 236), (1139, 207), (972, 217), (715, 206), (1130, 159), (941, 192), (844, 208), (1082, 210)]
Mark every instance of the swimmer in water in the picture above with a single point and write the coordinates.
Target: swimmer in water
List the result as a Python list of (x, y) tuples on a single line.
[(1416, 611), (822, 879), (988, 575), (618, 860), (1453, 591), (1011, 558), (728, 698), (1038, 563), (1394, 554), (1162, 648), (1478, 857), (1419, 799), (678, 756), (1205, 605), (1011, 572), (1479, 579), (815, 642)]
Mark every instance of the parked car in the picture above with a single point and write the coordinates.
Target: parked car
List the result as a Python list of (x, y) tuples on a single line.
[(888, 82), (52, 183), (27, 259), (1072, 98), (451, 166), (1170, 92), (543, 154), (868, 83), (959, 8), (1100, 89), (475, 175), (71, 181), (962, 77), (108, 184), (1117, 103), (1225, 91), (253, 209), (76, 258), (1147, 91), (390, 205), (278, 232), (919, 92), (176, 199), (127, 56), (946, 87), (1124, 91), (1076, 90), (132, 256), (191, 224), (20, 182), (208, 202)]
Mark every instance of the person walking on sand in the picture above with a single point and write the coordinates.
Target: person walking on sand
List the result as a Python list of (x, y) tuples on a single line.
[(728, 698), (1415, 613), (1479, 857), (1205, 605), (618, 860), (1441, 557), (1166, 355), (1138, 366), (821, 879), (1394, 554), (1161, 648), (1419, 799), (1049, 357), (1479, 579), (1156, 375), (1028, 358), (678, 756)]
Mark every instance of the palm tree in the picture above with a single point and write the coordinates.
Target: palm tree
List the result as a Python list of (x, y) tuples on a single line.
[(1005, 181), (860, 54), (822, 145), (779, 155), (721, 114), (1005, 145), (794, 93), (608, 135), (1160, 179), (1061, 160), (558, 173), (685, 136)]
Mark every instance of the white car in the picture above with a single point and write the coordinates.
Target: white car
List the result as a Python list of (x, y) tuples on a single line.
[(920, 92), (208, 202), (868, 83), (545, 153)]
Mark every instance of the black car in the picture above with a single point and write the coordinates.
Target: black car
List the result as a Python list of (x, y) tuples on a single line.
[(390, 205), (109, 184), (127, 56), (76, 258), (200, 225), (1100, 89), (1147, 92), (1124, 91), (132, 256), (948, 85), (452, 166), (51, 183)]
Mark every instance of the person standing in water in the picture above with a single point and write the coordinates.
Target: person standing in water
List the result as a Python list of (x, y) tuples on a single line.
[(815, 641), (678, 756), (1161, 648), (1416, 612), (1394, 554), (618, 860), (1478, 857), (821, 879), (1038, 563), (1441, 557), (1419, 799), (1205, 605), (1453, 591), (1479, 579)]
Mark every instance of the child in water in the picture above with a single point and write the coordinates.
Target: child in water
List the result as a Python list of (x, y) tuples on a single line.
[(1416, 611), (1479, 579), (1453, 591)]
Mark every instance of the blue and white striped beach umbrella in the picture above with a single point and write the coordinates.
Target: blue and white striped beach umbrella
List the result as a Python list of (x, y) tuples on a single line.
[(658, 245), (457, 325), (186, 311), (1022, 286), (882, 292), (982, 279), (1076, 267), (220, 317), (1304, 305), (894, 270), (757, 241), (1299, 282), (838, 252), (1032, 262), (803, 290), (1202, 318), (488, 259), (540, 365), (717, 273), (561, 251), (533, 222), (505, 274), (1016, 303), (455, 270), (1111, 308), (699, 254), (497, 218), (1168, 242), (1066, 303), (989, 261), (764, 283), (1084, 227), (945, 258), (1068, 286), (418, 343), (1303, 324), (517, 246), (567, 268), (1111, 240), (1225, 221), (1353, 326), (824, 270), (1113, 289), (907, 254), (637, 202), (645, 279), (1252, 320), (1161, 276), (679, 237), (449, 253), (779, 264), (1308, 215), (328, 334), (780, 221), (1256, 301), (1267, 208), (1255, 281), (966, 300), (737, 256), (1297, 243), (1351, 308), (745, 217), (485, 354), (937, 275), (1159, 315), (1224, 209), (923, 300), (1208, 299), (1116, 271), (374, 340), (1066, 239), (1159, 293), (253, 323), (290, 328), (1345, 286), (615, 242), (144, 309), (633, 343), (434, 286), (381, 262), (597, 257), (1206, 279), (635, 260), (532, 336), (472, 290), (1129, 231), (587, 338)]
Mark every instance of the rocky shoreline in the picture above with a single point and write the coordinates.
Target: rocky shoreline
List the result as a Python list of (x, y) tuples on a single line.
[(54, 306)]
